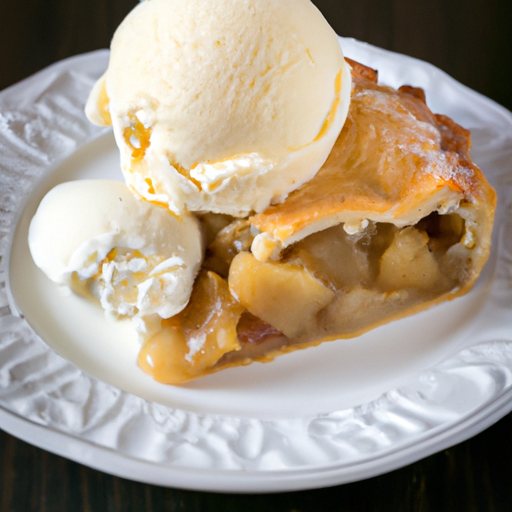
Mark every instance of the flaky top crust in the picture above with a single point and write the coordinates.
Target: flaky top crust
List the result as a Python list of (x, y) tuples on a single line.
[(393, 161)]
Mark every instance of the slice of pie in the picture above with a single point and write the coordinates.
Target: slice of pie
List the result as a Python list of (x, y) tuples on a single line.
[(398, 219)]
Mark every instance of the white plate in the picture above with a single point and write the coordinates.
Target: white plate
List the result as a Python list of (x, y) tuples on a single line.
[(336, 413)]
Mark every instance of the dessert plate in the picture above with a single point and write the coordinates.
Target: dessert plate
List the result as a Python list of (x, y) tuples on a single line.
[(336, 413)]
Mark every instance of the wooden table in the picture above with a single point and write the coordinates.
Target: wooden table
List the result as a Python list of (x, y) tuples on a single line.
[(469, 39)]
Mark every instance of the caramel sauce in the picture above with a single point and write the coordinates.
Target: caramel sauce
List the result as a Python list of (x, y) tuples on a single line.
[(334, 108), (137, 137), (103, 104)]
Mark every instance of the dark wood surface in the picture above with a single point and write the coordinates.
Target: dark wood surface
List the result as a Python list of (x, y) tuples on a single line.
[(474, 476), (472, 41)]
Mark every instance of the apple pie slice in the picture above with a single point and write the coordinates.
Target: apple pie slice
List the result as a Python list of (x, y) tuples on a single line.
[(398, 219)]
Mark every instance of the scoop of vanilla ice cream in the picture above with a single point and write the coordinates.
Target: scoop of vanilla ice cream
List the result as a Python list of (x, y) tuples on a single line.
[(224, 105), (136, 258)]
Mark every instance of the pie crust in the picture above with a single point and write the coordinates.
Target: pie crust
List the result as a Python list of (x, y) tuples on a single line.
[(397, 220)]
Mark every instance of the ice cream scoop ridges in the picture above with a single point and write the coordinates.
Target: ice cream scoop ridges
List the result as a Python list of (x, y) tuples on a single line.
[(223, 106)]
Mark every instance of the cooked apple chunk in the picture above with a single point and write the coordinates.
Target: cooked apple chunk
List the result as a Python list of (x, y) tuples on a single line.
[(408, 262), (195, 339), (285, 296)]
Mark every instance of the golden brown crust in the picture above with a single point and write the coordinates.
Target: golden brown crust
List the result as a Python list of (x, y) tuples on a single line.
[(419, 153), (362, 72), (339, 187), (393, 162)]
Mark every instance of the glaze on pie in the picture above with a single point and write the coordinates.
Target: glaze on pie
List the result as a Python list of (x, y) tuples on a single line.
[(398, 219)]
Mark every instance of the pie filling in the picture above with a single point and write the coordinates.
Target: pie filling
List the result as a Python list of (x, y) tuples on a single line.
[(329, 285), (397, 219)]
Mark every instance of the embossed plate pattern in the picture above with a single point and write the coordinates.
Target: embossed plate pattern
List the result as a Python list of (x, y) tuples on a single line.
[(176, 440)]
